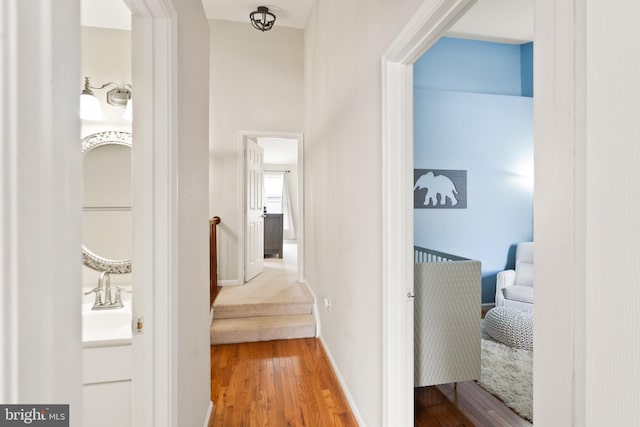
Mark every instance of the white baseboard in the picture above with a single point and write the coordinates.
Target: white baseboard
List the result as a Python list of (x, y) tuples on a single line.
[(343, 384), (229, 283), (316, 314), (488, 306), (207, 418)]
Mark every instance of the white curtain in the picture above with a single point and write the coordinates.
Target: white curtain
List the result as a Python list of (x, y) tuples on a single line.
[(289, 223)]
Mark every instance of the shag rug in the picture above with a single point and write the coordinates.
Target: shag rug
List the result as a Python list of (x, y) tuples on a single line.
[(507, 373)]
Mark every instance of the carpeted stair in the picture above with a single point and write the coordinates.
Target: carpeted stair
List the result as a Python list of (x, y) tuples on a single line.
[(278, 314)]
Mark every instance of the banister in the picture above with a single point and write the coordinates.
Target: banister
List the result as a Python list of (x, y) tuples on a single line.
[(213, 259)]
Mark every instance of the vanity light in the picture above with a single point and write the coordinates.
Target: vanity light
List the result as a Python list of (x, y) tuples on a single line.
[(128, 111), (262, 19), (90, 106)]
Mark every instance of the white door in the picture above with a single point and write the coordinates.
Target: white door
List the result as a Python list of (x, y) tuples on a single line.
[(254, 233)]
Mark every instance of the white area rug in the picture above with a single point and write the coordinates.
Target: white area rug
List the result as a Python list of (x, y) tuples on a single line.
[(507, 373)]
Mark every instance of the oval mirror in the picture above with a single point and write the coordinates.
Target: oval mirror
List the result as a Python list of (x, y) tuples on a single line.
[(107, 202)]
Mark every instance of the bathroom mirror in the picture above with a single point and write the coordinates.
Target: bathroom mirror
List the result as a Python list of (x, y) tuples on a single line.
[(107, 222)]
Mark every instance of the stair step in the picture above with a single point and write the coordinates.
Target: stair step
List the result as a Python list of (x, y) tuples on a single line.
[(267, 328), (235, 311)]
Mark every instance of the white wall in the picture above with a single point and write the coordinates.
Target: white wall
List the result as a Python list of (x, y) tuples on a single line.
[(192, 294), (256, 85), (612, 213), (343, 190), (587, 213)]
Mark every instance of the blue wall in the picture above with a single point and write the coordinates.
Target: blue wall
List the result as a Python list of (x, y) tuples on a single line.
[(526, 68), (470, 115)]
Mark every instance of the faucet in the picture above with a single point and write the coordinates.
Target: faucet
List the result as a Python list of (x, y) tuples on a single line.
[(104, 284)]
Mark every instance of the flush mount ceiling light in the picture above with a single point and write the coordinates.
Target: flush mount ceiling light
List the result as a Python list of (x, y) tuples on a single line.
[(262, 19), (90, 106)]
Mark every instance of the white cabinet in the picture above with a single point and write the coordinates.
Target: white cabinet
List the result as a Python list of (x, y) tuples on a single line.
[(107, 373)]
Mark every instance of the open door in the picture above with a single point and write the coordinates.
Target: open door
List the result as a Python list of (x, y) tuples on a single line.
[(254, 245)]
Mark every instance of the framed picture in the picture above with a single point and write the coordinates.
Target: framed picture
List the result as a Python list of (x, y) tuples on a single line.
[(439, 189)]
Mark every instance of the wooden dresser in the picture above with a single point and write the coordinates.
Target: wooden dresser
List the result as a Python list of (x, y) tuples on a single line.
[(273, 234)]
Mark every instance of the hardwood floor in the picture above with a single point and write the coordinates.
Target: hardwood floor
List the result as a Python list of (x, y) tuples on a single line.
[(291, 383), (276, 383), (469, 406)]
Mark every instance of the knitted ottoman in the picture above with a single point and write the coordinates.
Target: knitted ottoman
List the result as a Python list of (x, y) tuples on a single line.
[(510, 327)]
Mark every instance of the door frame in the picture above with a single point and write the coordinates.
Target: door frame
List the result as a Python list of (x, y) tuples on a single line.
[(427, 25), (40, 204), (48, 30), (243, 135), (155, 371), (560, 131)]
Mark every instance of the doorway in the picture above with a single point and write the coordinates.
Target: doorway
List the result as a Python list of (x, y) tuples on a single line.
[(429, 23), (490, 156), (281, 202)]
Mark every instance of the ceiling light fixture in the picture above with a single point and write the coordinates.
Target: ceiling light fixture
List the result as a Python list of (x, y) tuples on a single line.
[(90, 106), (262, 19)]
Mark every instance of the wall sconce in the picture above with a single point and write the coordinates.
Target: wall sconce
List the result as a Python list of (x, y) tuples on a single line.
[(118, 96), (262, 19), (128, 111)]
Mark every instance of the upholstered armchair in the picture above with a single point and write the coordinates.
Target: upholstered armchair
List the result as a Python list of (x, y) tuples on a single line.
[(514, 288)]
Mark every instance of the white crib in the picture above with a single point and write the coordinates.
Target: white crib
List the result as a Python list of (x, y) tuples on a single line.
[(447, 316)]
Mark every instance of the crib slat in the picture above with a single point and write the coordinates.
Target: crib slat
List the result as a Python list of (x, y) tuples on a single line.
[(429, 255)]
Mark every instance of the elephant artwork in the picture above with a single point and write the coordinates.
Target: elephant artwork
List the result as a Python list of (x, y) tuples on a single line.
[(441, 191)]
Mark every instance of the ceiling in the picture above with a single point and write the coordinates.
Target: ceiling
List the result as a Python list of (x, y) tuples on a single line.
[(509, 21), (105, 14), (279, 151), (289, 13), (495, 20)]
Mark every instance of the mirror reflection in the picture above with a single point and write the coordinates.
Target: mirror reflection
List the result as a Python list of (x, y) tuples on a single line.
[(107, 222)]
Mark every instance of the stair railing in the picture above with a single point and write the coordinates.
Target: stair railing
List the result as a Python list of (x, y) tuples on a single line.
[(213, 259)]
